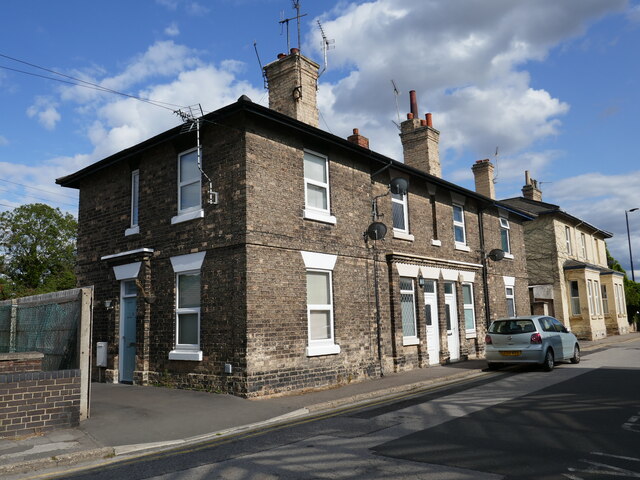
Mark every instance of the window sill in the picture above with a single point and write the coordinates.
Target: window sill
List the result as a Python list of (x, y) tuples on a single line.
[(408, 341), (464, 248), (471, 334), (132, 231), (508, 255), (319, 216), (403, 236), (436, 243), (317, 350), (184, 217), (193, 355)]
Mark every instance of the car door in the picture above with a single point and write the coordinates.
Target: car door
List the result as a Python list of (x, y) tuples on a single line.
[(566, 339), (551, 337)]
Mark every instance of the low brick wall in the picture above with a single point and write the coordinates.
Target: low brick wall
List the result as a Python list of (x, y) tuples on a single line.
[(36, 401)]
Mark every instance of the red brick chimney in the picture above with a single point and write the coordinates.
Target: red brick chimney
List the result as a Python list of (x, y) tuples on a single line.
[(483, 174), (420, 140), (358, 139)]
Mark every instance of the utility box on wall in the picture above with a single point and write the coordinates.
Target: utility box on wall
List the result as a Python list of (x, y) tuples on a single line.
[(101, 354)]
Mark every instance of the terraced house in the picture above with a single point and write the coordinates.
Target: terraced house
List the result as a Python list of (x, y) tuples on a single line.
[(249, 251)]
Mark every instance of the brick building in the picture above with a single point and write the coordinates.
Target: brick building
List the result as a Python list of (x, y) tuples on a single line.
[(244, 266), (567, 268)]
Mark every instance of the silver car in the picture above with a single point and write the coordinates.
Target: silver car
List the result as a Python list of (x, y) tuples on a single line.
[(536, 339)]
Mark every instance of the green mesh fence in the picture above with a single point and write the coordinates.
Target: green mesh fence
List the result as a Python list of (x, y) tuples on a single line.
[(51, 329), (5, 328)]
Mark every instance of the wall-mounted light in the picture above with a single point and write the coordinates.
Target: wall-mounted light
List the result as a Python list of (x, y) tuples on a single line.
[(420, 280), (108, 304)]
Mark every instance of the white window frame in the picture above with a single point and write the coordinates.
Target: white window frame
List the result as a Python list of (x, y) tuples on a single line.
[(510, 297), (321, 262), (459, 224), (470, 332), (506, 228), (186, 265), (409, 339), (605, 299), (620, 300), (402, 201), (575, 307), (590, 296), (195, 211), (567, 237), (583, 245), (315, 213), (596, 297), (135, 204)]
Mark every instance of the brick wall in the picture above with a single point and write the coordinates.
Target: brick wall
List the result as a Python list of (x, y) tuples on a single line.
[(33, 401)]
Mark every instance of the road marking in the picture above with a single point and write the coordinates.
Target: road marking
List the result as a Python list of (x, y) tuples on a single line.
[(633, 459)]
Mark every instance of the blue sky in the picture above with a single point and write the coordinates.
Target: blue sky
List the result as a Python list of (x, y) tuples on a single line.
[(554, 85)]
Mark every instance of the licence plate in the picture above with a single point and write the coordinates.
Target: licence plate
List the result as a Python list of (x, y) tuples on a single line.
[(511, 353)]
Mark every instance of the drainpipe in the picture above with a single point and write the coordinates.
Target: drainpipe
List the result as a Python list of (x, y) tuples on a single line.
[(485, 273)]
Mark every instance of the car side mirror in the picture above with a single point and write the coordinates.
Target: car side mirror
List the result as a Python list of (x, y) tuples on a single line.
[(564, 330)]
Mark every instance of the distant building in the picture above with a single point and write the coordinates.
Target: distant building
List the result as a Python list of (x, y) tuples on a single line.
[(244, 266), (567, 267)]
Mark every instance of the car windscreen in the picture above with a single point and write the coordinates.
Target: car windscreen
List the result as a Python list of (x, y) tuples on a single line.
[(512, 327)]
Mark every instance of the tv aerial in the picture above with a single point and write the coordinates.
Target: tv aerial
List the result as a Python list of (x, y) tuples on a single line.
[(326, 45)]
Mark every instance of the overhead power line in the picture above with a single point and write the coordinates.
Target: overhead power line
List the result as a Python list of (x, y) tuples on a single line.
[(78, 82), (41, 189), (40, 198)]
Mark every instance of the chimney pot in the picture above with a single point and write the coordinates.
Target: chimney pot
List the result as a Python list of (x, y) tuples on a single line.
[(409, 116), (356, 131), (281, 55), (423, 123), (429, 120), (358, 139), (414, 103), (295, 51)]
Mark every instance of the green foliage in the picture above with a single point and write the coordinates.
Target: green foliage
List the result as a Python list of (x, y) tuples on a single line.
[(631, 291), (37, 250)]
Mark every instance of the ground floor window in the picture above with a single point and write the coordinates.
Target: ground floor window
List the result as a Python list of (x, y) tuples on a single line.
[(511, 301), (469, 310), (575, 297), (605, 300), (408, 307)]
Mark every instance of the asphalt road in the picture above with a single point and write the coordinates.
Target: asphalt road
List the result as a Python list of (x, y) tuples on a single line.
[(577, 422)]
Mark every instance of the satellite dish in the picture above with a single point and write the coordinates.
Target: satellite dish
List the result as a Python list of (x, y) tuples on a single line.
[(377, 231), (496, 254), (399, 186)]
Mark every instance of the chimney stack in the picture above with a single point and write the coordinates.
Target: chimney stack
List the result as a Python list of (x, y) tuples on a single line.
[(420, 140), (293, 81), (358, 139), (483, 174), (530, 190)]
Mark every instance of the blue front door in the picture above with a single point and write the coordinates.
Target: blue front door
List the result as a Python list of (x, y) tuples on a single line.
[(128, 301)]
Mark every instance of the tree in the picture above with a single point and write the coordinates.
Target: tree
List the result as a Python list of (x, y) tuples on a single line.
[(37, 250), (631, 291)]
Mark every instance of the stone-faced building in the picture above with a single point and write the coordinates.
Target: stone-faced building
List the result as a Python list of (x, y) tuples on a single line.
[(567, 268), (244, 265)]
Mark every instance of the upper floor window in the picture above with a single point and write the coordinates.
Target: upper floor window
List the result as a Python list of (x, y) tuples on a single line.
[(459, 232), (583, 245), (511, 301), (504, 235), (135, 200), (189, 187), (567, 239), (399, 212), (316, 188)]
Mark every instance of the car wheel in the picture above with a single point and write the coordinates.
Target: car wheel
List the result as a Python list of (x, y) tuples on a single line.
[(493, 365), (548, 361), (576, 355)]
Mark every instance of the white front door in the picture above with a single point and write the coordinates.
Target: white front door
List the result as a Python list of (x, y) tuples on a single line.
[(432, 320), (128, 292), (451, 312)]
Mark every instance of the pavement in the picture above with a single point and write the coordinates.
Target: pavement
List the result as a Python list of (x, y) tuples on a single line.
[(127, 419)]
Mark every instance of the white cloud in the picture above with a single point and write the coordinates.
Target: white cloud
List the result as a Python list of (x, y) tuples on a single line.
[(466, 66), (172, 30), (3, 141), (45, 110)]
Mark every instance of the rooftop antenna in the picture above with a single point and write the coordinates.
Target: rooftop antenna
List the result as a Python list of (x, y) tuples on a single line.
[(495, 176), (285, 21), (192, 118), (326, 45), (396, 92), (264, 76)]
